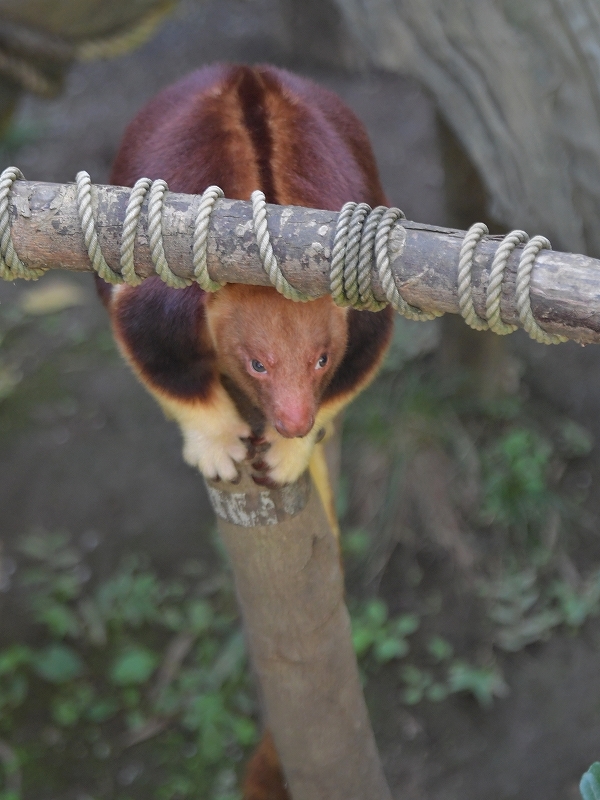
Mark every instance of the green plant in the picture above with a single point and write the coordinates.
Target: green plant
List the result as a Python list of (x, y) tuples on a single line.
[(421, 684), (379, 639), (134, 661), (355, 544), (576, 604), (590, 783), (516, 490), (484, 683), (440, 648), (376, 637), (525, 608), (17, 135)]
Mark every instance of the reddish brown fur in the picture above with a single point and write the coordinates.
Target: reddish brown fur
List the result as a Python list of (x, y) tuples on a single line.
[(195, 133), (245, 128), (288, 338), (264, 779)]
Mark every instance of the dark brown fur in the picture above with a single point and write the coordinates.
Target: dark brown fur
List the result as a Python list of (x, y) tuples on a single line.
[(244, 128)]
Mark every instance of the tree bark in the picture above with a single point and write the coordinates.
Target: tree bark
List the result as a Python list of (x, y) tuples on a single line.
[(565, 288), (519, 83), (75, 20)]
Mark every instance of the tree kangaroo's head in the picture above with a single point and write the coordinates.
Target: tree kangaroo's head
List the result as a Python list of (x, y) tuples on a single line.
[(282, 354)]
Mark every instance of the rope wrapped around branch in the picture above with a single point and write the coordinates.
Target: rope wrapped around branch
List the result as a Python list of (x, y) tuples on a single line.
[(362, 238), (493, 320)]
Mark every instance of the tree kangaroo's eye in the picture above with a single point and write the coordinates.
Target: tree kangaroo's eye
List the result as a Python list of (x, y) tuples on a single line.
[(257, 366), (322, 361)]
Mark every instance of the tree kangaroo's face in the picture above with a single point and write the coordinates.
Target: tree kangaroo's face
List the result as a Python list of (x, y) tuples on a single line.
[(282, 354)]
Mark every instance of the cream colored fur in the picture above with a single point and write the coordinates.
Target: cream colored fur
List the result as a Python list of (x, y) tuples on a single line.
[(212, 433)]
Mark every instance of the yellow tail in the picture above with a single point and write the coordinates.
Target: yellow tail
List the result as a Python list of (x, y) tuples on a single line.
[(320, 476)]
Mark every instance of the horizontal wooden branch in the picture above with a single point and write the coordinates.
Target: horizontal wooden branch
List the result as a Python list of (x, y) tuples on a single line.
[(565, 288)]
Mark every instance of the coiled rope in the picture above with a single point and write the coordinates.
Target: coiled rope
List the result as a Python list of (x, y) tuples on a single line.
[(362, 236), (130, 226), (493, 320), (265, 250), (11, 266)]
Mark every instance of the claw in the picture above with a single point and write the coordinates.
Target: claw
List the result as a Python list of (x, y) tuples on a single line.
[(264, 480), (250, 449), (260, 444), (255, 446)]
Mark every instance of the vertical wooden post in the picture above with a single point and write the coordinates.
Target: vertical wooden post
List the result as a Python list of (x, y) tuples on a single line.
[(290, 587)]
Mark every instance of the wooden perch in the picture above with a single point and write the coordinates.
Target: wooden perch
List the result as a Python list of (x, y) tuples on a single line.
[(290, 586), (565, 288)]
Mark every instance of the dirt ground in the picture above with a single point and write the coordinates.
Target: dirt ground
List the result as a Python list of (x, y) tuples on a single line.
[(84, 449)]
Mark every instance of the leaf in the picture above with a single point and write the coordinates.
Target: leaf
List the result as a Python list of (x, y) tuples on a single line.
[(130, 598), (362, 639), (577, 605), (58, 663), (483, 682), (66, 586), (405, 624), (590, 783), (14, 657), (14, 693), (376, 613), (93, 622), (511, 586), (59, 619), (413, 675), (131, 697), (134, 666), (43, 546), (66, 711), (577, 441), (245, 731), (439, 648), (390, 648), (172, 618), (135, 720), (437, 692), (200, 616), (48, 298), (531, 629), (102, 710), (356, 543)]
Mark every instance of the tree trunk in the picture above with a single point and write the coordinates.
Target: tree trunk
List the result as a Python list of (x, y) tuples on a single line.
[(519, 83), (290, 587)]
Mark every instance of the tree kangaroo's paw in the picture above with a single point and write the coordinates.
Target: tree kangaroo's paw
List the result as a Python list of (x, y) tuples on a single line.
[(216, 453), (284, 461), (261, 474)]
